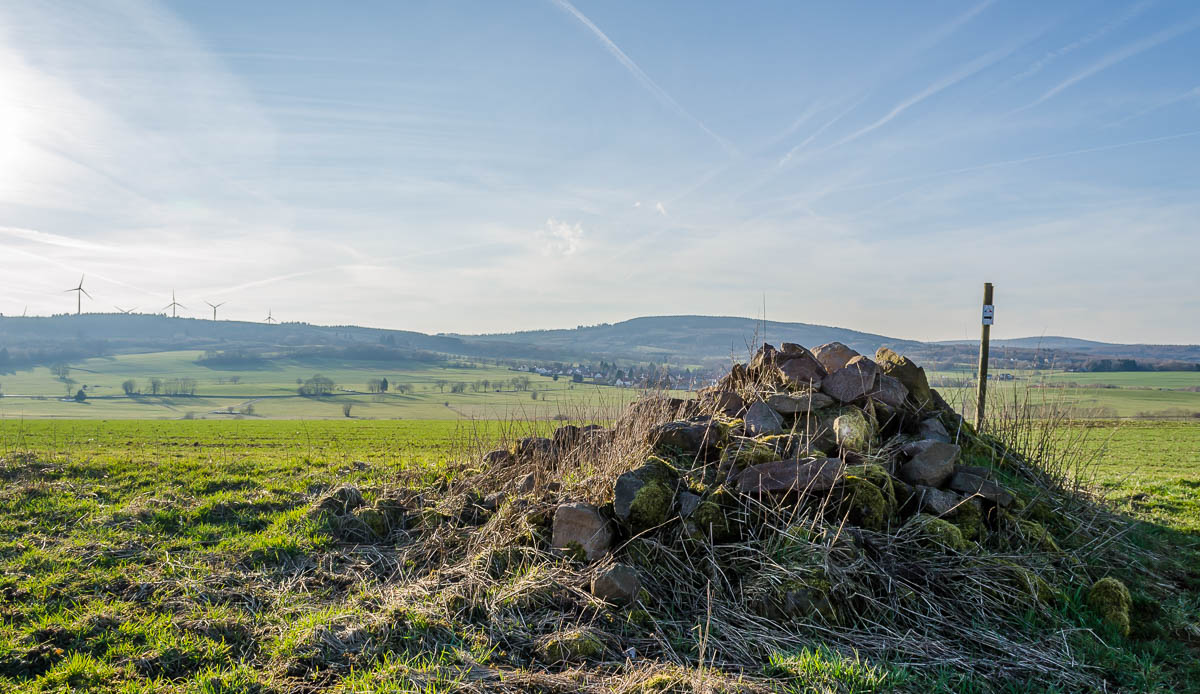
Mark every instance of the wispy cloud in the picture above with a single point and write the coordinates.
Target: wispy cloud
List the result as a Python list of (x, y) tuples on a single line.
[(1106, 29), (642, 78), (1129, 51)]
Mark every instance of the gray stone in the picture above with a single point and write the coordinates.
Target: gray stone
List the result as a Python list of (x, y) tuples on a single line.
[(790, 404), (689, 436), (581, 527), (967, 483), (852, 381), (912, 449), (500, 456), (566, 437), (725, 401), (834, 355), (761, 420), (525, 484), (933, 466), (688, 502), (534, 446), (644, 497), (890, 392), (801, 370), (618, 584), (936, 501), (932, 428), (798, 476)]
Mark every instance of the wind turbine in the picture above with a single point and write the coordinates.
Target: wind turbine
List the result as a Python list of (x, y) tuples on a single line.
[(269, 318), (79, 292), (215, 307), (173, 305), (126, 311)]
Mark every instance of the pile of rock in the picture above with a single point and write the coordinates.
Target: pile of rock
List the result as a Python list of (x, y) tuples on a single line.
[(865, 440)]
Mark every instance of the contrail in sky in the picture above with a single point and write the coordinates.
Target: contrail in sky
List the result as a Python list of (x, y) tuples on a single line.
[(1112, 59), (650, 85)]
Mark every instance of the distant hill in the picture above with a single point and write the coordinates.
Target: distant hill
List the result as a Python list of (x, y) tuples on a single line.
[(695, 339), (1096, 349), (708, 341)]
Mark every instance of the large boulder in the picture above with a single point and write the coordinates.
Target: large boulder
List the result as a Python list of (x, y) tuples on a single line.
[(761, 420), (912, 376), (798, 403), (581, 529), (794, 476), (618, 584), (645, 497), (932, 466), (834, 355), (853, 381)]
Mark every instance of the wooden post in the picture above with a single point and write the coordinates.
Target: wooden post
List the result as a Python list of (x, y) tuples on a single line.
[(989, 313)]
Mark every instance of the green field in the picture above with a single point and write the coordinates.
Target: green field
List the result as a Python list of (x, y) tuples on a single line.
[(178, 556), (1124, 395), (272, 391)]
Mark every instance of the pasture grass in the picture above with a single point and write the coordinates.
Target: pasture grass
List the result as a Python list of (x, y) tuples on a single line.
[(178, 556)]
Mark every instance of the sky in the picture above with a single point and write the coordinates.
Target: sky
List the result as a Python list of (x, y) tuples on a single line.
[(486, 167)]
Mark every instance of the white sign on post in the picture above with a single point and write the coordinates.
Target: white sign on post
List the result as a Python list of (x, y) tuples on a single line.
[(989, 314)]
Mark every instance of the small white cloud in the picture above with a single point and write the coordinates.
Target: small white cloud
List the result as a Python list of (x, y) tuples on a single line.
[(638, 203), (661, 210), (561, 238)]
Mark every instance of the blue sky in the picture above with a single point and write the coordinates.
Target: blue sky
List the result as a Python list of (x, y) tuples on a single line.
[(482, 166)]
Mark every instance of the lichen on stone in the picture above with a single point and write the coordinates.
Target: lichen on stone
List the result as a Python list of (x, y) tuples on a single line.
[(1109, 598)]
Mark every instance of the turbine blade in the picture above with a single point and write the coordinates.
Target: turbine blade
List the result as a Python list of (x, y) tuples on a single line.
[(85, 292)]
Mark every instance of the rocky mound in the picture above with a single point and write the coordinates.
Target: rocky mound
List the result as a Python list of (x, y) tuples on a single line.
[(811, 499)]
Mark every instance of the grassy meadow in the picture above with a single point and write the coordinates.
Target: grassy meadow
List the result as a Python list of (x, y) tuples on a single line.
[(179, 556), (270, 391)]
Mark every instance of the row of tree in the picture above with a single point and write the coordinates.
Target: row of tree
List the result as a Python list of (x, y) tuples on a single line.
[(160, 386)]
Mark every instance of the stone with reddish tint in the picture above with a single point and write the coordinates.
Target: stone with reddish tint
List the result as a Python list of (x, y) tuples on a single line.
[(580, 527), (793, 476), (834, 355)]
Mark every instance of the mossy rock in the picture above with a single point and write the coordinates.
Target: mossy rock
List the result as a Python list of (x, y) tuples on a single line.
[(376, 520), (645, 497), (1035, 534), (571, 645), (742, 453), (865, 503), (805, 594), (855, 431), (709, 522), (1110, 599), (936, 533), (1027, 584), (968, 518)]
